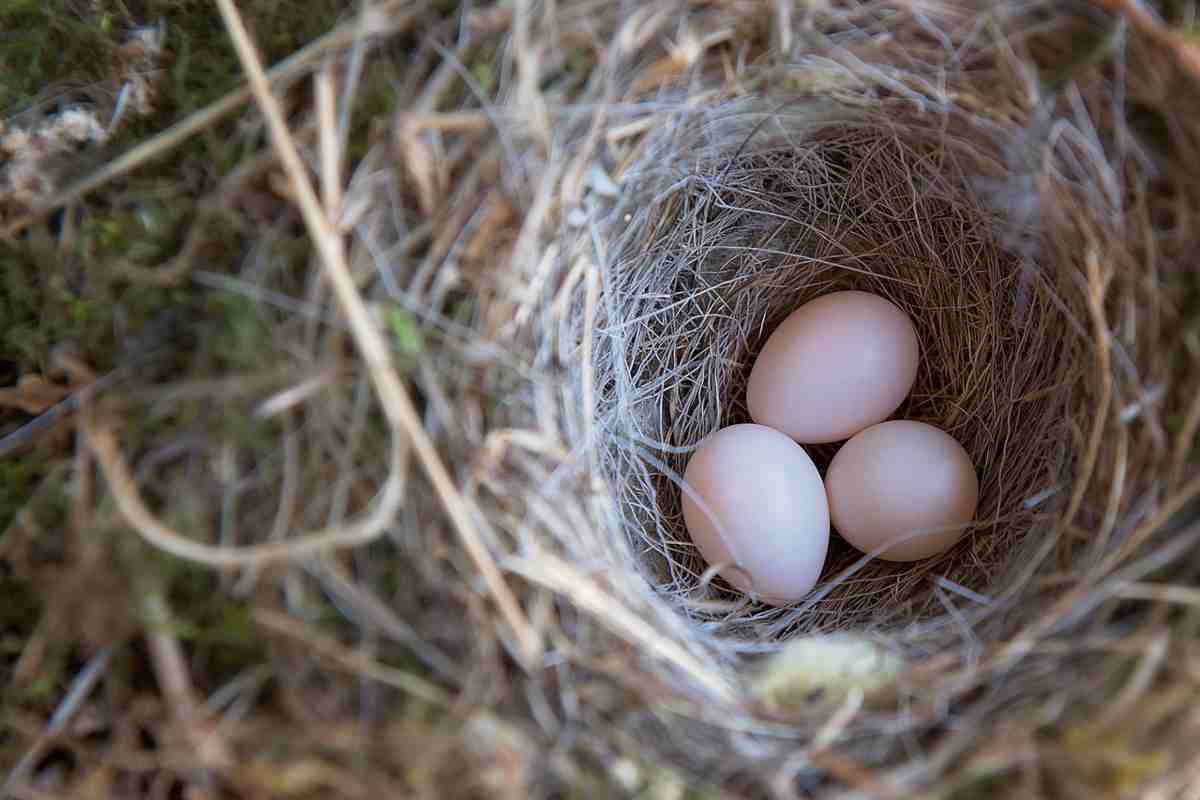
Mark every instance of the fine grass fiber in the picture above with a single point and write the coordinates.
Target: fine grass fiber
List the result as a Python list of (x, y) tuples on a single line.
[(393, 506), (741, 216)]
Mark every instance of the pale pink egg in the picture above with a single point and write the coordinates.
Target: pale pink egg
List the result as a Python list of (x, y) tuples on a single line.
[(754, 505), (904, 482), (834, 366)]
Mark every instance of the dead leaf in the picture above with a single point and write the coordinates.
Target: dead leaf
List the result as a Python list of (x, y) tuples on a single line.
[(33, 394)]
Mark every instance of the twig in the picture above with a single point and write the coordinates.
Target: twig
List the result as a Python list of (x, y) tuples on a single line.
[(28, 432), (331, 154), (857, 775), (174, 271), (174, 680), (393, 398), (121, 484), (546, 569), (1097, 281), (356, 663), (25, 434), (588, 377), (467, 121), (81, 687), (371, 612), (1160, 593)]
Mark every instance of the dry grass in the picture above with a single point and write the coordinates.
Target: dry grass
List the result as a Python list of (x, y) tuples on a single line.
[(543, 284), (765, 208)]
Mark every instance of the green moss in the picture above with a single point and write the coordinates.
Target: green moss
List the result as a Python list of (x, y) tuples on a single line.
[(485, 76), (1087, 51), (146, 232), (43, 688), (579, 67), (217, 627), (52, 40), (205, 66), (239, 332), (46, 301), (406, 333), (258, 436), (55, 289), (982, 787), (17, 479), (45, 41), (376, 100), (463, 310), (215, 623)]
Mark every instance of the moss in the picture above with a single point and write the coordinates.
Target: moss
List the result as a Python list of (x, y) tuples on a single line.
[(406, 333), (146, 232), (44, 41), (1087, 51), (227, 624), (982, 787), (43, 688), (57, 40), (485, 76), (72, 43), (17, 479), (377, 100), (259, 436), (217, 628), (237, 334), (47, 302), (56, 288), (205, 66), (579, 67)]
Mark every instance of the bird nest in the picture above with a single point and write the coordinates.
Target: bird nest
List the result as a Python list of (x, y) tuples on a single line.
[(1040, 246), (741, 213), (576, 235)]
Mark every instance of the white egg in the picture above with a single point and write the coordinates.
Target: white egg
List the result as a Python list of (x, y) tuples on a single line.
[(904, 482), (836, 365), (755, 506)]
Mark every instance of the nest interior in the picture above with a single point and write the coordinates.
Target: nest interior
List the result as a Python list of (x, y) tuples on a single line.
[(745, 215)]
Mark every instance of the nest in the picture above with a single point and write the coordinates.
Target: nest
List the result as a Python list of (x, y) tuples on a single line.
[(578, 265), (1041, 247), (736, 218)]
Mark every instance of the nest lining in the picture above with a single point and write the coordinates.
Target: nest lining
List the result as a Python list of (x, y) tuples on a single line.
[(746, 212)]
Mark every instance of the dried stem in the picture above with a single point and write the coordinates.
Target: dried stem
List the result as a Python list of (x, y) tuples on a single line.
[(393, 398)]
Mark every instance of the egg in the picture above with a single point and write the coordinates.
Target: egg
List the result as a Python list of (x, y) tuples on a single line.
[(755, 506), (904, 482), (834, 366)]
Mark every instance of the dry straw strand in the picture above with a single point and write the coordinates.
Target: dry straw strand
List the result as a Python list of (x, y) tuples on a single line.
[(395, 400)]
